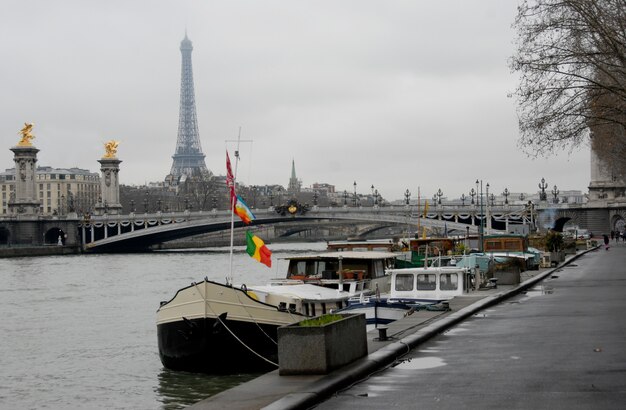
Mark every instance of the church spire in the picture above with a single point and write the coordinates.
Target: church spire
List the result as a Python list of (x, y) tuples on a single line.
[(294, 183)]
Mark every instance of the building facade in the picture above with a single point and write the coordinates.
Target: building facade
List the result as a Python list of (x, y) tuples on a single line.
[(59, 190)]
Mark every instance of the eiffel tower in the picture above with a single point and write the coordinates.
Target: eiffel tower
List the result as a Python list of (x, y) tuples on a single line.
[(188, 157)]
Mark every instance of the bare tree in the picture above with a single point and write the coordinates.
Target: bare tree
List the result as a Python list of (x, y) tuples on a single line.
[(571, 61), (197, 189)]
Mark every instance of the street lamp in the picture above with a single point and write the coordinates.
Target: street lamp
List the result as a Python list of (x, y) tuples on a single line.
[(354, 193), (463, 198), (439, 195), (376, 197), (543, 185), (506, 194), (555, 192), (145, 202), (492, 197), (481, 231), (345, 198), (407, 196), (473, 193)]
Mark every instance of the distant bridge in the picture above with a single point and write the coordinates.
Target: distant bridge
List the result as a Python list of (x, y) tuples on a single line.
[(140, 231)]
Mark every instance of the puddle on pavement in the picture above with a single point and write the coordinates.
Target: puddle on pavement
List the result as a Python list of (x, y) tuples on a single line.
[(421, 363), (539, 291), (455, 330)]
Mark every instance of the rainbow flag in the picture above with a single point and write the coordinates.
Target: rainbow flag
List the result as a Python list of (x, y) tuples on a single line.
[(257, 249), (242, 210)]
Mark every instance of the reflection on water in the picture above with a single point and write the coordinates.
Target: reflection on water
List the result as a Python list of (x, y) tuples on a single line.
[(177, 390)]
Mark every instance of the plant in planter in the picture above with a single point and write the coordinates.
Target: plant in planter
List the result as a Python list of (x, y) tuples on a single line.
[(322, 344)]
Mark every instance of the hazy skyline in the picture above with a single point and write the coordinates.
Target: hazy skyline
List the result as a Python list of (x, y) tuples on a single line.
[(398, 95)]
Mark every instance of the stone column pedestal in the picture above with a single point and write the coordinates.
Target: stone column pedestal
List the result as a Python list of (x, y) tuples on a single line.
[(109, 187), (25, 199)]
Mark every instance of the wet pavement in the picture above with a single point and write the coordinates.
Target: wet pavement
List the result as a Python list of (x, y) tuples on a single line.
[(558, 345)]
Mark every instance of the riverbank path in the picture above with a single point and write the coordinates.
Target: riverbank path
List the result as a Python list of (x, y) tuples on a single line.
[(558, 345)]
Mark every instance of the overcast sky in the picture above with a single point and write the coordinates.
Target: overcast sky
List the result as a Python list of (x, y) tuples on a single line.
[(395, 94)]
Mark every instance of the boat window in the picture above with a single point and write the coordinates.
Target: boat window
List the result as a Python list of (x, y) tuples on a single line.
[(449, 281), (512, 245), (379, 269), (404, 282), (492, 245), (426, 281)]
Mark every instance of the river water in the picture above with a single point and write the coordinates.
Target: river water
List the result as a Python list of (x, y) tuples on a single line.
[(79, 331)]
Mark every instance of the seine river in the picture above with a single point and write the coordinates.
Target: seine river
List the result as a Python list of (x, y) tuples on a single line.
[(79, 331)]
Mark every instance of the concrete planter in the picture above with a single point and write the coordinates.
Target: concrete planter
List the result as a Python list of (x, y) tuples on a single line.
[(321, 349), (557, 257)]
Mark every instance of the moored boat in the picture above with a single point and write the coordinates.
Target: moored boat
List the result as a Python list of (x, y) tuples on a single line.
[(412, 289), (216, 328)]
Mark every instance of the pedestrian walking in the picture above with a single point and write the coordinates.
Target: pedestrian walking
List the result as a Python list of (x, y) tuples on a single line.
[(606, 241)]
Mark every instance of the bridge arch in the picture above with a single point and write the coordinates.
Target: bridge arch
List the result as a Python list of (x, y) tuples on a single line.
[(618, 222), (52, 235), (5, 236)]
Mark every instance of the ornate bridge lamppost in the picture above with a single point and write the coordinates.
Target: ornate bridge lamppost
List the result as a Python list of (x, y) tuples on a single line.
[(481, 229), (345, 198), (132, 206), (492, 197), (315, 196), (522, 196), (543, 185), (271, 199), (376, 197), (463, 198), (439, 195), (472, 194), (145, 202), (407, 197), (354, 194), (555, 193), (506, 194)]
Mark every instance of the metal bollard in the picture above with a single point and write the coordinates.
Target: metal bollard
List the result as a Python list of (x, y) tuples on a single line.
[(382, 333)]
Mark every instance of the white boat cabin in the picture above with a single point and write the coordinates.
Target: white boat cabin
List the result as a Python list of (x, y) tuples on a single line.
[(323, 282), (428, 285)]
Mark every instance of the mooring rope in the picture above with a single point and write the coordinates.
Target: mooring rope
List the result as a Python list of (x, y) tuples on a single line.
[(206, 302)]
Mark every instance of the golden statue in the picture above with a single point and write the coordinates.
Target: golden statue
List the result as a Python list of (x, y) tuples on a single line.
[(26, 135), (110, 148)]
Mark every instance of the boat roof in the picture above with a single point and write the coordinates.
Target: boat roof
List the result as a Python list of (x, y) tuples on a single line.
[(430, 269), (345, 255), (303, 291)]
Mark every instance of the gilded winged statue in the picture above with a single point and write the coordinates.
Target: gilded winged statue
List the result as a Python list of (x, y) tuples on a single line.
[(27, 136), (111, 148)]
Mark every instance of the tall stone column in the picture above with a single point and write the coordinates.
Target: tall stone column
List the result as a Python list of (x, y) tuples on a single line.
[(109, 182), (24, 201)]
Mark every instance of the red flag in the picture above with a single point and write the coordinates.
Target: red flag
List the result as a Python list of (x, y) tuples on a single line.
[(230, 180)]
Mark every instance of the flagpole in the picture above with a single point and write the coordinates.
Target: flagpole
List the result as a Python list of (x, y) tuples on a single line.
[(233, 198)]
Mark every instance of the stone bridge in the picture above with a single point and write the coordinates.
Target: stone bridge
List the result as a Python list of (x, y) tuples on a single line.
[(142, 231)]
